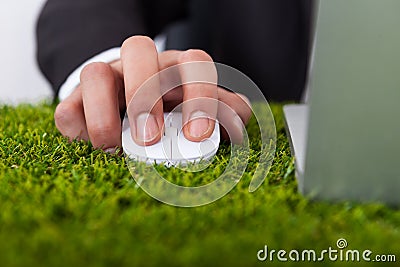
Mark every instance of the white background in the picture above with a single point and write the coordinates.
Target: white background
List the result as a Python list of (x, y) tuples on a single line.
[(20, 78)]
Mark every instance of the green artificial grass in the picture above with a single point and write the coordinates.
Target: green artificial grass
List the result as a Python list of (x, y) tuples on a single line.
[(67, 204)]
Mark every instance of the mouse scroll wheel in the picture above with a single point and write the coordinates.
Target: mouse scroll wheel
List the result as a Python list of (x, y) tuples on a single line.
[(168, 122), (171, 132)]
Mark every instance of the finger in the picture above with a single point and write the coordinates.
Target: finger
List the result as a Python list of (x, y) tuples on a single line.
[(69, 117), (233, 120), (144, 104), (101, 107), (199, 99), (170, 77), (119, 79), (168, 58)]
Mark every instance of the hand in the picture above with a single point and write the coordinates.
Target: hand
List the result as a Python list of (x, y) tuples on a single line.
[(92, 111)]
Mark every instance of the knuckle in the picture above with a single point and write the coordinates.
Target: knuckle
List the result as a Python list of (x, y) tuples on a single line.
[(247, 115), (95, 69), (137, 41), (247, 110), (245, 99), (101, 134), (64, 114), (194, 55)]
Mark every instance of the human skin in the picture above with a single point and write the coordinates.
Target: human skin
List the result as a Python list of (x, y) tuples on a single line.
[(92, 111)]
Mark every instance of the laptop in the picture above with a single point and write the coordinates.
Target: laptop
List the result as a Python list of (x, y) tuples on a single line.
[(346, 139)]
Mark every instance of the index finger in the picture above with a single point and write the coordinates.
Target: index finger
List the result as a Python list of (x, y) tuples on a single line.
[(139, 59)]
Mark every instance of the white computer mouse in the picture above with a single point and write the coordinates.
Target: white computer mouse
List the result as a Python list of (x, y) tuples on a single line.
[(173, 149)]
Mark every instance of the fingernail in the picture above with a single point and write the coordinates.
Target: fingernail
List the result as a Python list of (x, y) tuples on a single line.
[(111, 150), (199, 124), (146, 127)]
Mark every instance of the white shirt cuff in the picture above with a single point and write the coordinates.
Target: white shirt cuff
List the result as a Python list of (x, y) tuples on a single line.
[(73, 79), (107, 56)]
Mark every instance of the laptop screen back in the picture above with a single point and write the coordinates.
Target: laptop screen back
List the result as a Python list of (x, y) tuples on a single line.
[(354, 125)]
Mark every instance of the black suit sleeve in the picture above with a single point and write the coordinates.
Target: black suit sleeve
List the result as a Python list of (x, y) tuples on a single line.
[(71, 31)]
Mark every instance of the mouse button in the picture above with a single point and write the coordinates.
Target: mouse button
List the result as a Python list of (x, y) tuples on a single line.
[(129, 145), (126, 131), (153, 152), (215, 136), (206, 147), (216, 130), (170, 131), (176, 121), (168, 118), (125, 124), (166, 148), (186, 148), (132, 148), (176, 149)]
